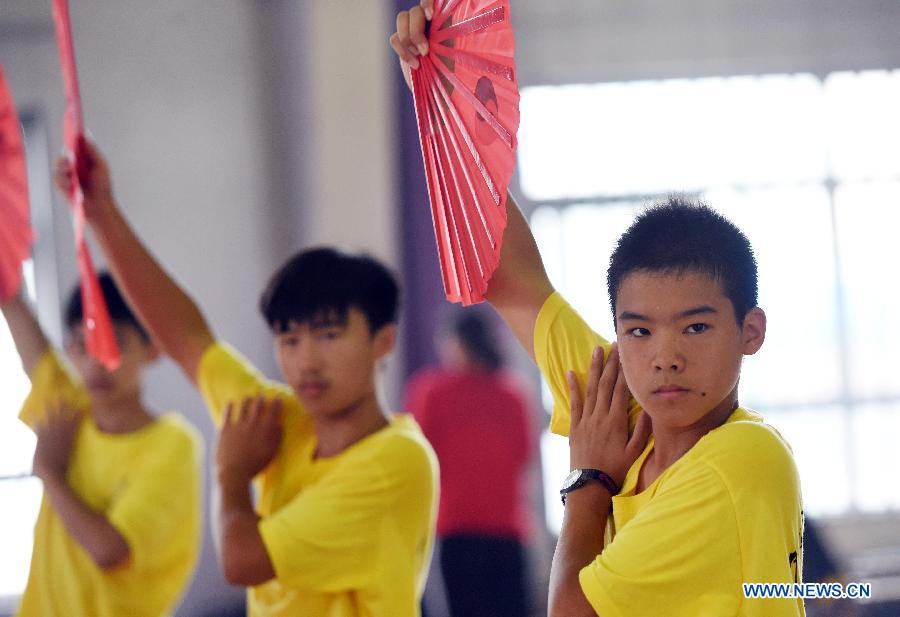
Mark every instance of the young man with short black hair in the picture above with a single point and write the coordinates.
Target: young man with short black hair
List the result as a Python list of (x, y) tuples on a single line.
[(344, 520), (712, 499), (118, 531)]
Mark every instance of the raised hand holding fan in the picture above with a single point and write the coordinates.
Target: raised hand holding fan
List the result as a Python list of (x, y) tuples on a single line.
[(99, 338), (467, 107)]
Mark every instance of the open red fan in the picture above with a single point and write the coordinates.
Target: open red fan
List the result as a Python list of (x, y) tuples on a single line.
[(15, 231), (98, 333), (467, 107)]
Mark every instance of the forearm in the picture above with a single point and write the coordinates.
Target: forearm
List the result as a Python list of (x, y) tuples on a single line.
[(580, 541), (172, 317), (29, 339), (245, 560), (99, 538), (519, 286)]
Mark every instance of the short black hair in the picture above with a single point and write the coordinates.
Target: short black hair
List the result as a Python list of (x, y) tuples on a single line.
[(119, 311), (679, 235), (475, 331), (318, 284)]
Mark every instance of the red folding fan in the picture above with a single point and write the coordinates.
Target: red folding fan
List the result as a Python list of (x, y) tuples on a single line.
[(15, 231), (467, 107), (98, 333)]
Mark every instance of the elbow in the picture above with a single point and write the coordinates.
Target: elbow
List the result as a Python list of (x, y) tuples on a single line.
[(112, 558), (242, 574), (556, 606), (569, 601), (563, 609), (234, 573)]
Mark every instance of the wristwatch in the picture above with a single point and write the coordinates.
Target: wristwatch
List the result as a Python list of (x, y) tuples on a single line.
[(579, 477)]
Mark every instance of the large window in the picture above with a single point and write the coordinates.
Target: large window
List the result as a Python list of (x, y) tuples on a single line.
[(20, 493), (809, 168)]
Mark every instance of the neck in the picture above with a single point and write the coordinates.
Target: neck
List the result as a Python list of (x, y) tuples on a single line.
[(335, 433), (671, 443), (120, 416)]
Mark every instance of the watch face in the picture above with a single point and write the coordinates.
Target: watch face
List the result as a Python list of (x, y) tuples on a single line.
[(571, 479)]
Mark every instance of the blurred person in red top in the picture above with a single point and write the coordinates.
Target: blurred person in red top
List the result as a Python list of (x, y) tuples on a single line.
[(476, 416)]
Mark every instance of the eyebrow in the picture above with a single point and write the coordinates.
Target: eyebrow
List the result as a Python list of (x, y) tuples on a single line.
[(698, 310)]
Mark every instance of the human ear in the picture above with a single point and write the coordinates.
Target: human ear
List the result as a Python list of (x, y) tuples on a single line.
[(753, 331), (385, 341)]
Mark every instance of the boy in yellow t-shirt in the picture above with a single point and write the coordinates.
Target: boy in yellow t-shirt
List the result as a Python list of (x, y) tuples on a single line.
[(344, 521), (712, 499), (118, 528)]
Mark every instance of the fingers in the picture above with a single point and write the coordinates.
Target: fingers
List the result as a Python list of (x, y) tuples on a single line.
[(575, 404), (401, 42), (619, 401), (276, 412), (607, 382), (62, 175), (228, 415), (641, 434), (593, 379), (60, 421), (246, 404), (428, 8), (254, 410), (409, 41), (417, 30)]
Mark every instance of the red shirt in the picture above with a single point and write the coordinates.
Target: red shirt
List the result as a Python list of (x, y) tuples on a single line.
[(478, 424)]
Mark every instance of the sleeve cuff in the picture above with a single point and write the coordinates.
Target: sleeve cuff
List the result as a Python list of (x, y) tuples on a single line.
[(273, 538), (550, 309), (595, 594)]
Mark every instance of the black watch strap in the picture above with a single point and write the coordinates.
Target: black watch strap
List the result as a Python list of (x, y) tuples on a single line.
[(588, 475)]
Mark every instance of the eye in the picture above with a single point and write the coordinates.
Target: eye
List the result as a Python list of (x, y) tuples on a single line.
[(329, 334), (697, 328), (289, 341), (639, 332)]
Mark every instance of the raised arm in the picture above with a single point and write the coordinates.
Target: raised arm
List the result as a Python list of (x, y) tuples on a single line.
[(519, 287), (30, 341), (174, 320)]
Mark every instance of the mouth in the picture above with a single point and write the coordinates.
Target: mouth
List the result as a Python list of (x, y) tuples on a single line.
[(311, 390), (99, 385), (670, 392)]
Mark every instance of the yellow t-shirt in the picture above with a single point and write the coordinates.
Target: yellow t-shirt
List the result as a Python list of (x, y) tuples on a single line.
[(147, 484), (349, 535), (727, 512)]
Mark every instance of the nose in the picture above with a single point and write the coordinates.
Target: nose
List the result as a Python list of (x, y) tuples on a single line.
[(307, 356), (667, 356)]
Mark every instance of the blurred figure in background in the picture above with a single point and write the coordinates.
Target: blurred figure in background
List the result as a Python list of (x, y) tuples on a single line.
[(476, 417), (821, 566)]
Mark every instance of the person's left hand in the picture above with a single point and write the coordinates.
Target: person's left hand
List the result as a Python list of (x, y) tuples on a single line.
[(55, 439), (598, 435), (249, 438)]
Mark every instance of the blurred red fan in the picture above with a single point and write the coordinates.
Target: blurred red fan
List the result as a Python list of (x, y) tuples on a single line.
[(15, 231), (99, 338)]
